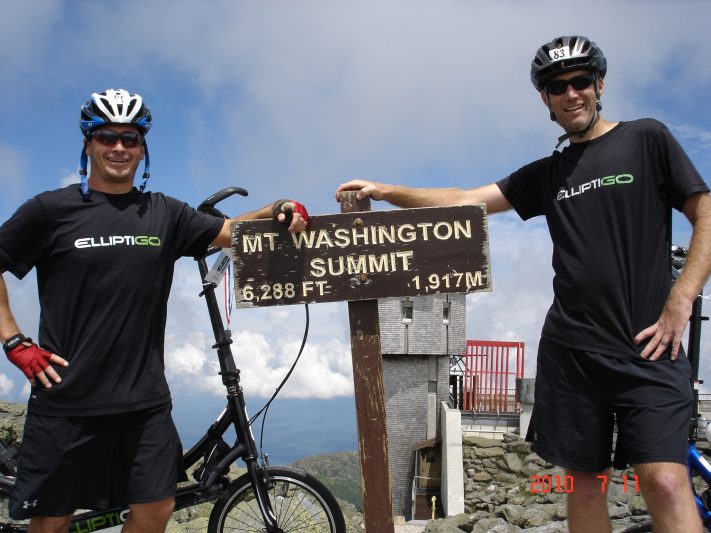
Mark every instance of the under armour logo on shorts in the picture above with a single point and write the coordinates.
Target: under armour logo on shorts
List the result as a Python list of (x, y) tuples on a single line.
[(27, 504)]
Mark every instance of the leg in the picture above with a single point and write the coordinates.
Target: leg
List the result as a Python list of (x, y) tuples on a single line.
[(667, 491), (149, 517), (587, 503), (573, 426), (49, 524)]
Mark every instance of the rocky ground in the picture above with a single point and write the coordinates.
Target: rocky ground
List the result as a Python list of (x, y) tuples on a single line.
[(507, 489)]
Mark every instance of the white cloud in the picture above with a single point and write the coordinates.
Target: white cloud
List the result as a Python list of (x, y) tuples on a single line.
[(266, 341), (24, 30), (522, 285), (68, 177), (6, 386), (322, 372)]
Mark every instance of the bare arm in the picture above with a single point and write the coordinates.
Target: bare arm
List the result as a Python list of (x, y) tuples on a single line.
[(8, 326), (224, 238), (402, 196), (670, 327)]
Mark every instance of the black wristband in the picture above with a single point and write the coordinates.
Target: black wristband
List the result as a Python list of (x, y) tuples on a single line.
[(13, 341), (276, 208)]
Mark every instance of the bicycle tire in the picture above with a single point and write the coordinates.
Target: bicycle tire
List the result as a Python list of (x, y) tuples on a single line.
[(8, 463), (300, 502)]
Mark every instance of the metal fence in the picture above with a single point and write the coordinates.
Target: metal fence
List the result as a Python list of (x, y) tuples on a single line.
[(490, 372)]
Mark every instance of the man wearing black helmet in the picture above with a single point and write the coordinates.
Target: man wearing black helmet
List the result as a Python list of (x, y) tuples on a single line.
[(99, 432), (610, 345)]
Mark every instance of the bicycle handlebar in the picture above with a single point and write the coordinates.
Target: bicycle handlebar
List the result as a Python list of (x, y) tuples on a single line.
[(678, 257), (208, 205)]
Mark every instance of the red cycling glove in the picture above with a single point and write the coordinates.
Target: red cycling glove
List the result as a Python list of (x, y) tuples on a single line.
[(31, 359), (289, 207)]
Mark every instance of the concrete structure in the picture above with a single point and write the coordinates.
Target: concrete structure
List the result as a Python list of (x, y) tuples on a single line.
[(418, 335), (525, 388), (452, 461)]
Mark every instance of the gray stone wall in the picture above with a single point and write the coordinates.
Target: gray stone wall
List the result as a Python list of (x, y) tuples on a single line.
[(416, 363), (406, 383), (427, 332)]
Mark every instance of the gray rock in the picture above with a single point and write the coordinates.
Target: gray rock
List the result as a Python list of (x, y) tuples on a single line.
[(513, 462), (494, 451)]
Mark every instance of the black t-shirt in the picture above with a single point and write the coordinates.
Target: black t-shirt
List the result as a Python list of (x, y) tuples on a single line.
[(104, 272), (608, 207)]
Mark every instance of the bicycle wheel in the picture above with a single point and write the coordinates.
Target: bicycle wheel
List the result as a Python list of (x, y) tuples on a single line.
[(300, 503)]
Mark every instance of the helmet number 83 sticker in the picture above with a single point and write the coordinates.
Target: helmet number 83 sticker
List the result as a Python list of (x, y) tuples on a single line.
[(556, 54)]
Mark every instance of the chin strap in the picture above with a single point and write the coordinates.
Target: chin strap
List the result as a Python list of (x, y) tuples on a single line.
[(146, 166), (84, 183), (580, 133)]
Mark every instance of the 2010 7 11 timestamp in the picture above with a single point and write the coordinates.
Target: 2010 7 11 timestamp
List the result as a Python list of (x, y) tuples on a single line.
[(566, 484)]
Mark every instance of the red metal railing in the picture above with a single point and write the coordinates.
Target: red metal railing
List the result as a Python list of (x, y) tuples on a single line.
[(489, 375)]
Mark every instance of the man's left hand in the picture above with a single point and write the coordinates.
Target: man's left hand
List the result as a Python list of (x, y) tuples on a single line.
[(292, 213)]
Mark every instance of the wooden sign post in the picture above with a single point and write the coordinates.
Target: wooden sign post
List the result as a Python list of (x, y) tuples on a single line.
[(370, 402), (359, 256)]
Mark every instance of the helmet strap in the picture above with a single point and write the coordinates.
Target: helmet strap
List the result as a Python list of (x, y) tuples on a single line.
[(580, 133), (146, 166), (84, 182)]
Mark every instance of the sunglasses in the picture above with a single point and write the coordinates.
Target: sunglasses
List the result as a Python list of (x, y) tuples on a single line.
[(129, 139), (558, 87)]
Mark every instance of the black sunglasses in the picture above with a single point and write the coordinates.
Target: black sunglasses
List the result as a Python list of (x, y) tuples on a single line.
[(558, 87), (129, 139)]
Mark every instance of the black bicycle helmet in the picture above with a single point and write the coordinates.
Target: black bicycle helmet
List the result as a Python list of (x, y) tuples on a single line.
[(564, 54), (113, 107)]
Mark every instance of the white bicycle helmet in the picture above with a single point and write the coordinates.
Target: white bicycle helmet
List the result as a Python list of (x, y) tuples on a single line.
[(113, 107)]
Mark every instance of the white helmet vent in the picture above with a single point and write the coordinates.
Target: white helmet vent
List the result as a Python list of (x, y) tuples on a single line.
[(118, 106)]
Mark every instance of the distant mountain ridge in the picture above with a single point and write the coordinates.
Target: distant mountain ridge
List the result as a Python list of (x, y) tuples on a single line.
[(339, 471)]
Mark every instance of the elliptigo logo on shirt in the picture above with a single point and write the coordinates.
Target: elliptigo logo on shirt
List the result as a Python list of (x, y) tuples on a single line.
[(117, 240), (597, 183)]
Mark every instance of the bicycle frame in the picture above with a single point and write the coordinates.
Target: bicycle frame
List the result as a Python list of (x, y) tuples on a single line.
[(698, 464)]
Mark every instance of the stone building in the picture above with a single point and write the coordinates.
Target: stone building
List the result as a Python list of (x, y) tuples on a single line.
[(418, 335)]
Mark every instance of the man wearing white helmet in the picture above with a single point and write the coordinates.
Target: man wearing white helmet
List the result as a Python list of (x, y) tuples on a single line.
[(99, 432), (610, 345)]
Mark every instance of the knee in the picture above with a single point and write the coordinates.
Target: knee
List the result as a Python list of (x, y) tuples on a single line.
[(665, 485), (151, 516), (588, 485), (164, 509)]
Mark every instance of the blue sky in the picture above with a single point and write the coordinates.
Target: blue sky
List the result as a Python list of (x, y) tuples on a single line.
[(290, 98)]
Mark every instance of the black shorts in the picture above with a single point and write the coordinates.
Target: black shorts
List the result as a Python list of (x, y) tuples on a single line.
[(579, 396), (96, 462)]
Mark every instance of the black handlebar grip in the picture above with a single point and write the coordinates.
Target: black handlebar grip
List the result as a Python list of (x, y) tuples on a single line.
[(208, 205)]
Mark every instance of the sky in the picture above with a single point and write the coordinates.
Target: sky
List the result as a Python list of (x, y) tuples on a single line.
[(290, 98)]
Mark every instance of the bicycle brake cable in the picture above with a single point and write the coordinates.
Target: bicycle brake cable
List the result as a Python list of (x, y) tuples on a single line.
[(265, 408)]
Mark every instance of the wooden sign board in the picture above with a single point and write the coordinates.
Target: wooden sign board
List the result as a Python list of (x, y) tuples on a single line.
[(362, 255)]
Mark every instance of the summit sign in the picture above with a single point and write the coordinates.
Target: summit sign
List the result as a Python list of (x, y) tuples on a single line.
[(362, 255)]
